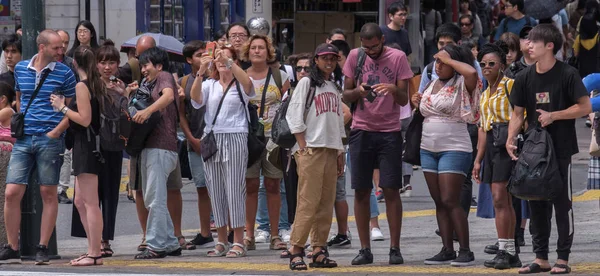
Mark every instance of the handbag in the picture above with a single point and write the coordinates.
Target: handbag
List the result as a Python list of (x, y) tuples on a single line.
[(500, 134), (208, 143), (256, 146), (17, 121), (412, 141), (260, 129), (594, 148)]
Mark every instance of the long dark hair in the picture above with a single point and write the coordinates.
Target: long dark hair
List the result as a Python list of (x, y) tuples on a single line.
[(316, 75), (93, 37), (86, 60)]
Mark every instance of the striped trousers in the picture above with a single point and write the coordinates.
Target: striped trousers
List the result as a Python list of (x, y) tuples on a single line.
[(226, 179)]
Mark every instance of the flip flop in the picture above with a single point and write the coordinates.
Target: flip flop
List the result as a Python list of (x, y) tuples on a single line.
[(567, 269), (534, 268)]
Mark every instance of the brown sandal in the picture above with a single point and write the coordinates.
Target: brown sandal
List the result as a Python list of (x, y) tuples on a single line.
[(250, 243), (142, 245), (277, 243)]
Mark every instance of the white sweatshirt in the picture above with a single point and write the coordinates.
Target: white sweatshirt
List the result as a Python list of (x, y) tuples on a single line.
[(324, 126)]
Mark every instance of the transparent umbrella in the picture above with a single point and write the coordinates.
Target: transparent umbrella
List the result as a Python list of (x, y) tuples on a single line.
[(166, 42)]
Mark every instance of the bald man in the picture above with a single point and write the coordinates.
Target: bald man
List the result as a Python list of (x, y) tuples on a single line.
[(41, 143)]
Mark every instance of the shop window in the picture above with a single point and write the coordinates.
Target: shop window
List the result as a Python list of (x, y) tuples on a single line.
[(167, 17)]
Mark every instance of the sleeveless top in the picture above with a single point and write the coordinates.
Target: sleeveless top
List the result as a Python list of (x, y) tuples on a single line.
[(95, 123)]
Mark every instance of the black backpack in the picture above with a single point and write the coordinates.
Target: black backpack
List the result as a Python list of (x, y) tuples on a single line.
[(280, 132), (115, 123), (535, 175)]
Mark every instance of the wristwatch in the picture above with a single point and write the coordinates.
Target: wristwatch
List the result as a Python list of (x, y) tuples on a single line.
[(229, 63), (64, 109)]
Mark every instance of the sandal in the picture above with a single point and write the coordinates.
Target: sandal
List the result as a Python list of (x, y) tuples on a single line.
[(143, 246), (250, 243), (277, 243), (325, 262), (236, 253), (182, 242), (285, 254), (97, 261), (78, 259), (567, 269), (106, 250), (150, 254), (310, 253), (299, 264), (534, 268), (215, 252)]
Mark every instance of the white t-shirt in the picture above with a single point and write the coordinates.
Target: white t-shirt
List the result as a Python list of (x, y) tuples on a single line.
[(324, 125), (232, 116)]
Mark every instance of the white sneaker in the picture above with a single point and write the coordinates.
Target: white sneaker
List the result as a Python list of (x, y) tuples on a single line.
[(261, 236), (285, 234), (376, 234)]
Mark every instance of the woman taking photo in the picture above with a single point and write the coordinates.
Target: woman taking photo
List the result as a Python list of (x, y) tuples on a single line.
[(85, 35), (226, 117), (448, 104), (259, 50), (84, 116), (109, 177), (495, 115), (319, 155)]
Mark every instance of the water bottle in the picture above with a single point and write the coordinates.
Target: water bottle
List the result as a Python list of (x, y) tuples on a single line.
[(59, 94)]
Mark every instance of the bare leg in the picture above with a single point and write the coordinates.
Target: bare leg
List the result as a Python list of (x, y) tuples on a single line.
[(252, 185), (12, 213)]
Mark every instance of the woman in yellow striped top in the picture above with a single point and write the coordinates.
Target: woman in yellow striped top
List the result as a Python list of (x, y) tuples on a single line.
[(493, 132)]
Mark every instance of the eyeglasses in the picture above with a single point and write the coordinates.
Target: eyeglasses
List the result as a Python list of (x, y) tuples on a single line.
[(465, 24), (305, 68), (372, 48), (238, 36), (83, 31), (483, 64)]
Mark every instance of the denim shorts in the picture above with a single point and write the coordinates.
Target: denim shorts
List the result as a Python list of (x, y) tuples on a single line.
[(45, 153), (457, 162), (197, 168)]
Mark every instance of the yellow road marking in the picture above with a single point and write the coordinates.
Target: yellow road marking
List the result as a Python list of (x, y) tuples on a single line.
[(587, 196), (409, 269)]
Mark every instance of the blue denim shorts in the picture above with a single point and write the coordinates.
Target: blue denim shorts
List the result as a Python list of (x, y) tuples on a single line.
[(457, 162), (197, 168), (36, 150)]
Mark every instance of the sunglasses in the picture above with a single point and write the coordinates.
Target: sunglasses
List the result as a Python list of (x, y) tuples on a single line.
[(305, 68), (465, 24), (484, 64)]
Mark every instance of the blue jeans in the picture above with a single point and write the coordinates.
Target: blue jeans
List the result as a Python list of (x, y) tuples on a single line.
[(156, 165), (36, 150), (262, 216)]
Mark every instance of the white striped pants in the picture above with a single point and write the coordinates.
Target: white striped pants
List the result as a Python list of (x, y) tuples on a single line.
[(226, 179)]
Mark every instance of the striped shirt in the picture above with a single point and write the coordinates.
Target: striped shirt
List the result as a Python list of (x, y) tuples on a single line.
[(40, 117), (496, 108)]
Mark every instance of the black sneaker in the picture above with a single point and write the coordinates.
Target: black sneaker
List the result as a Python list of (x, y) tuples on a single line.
[(203, 242), (175, 253), (473, 202), (340, 241), (444, 257), (491, 249), (64, 199), (502, 260), (465, 258), (364, 257), (230, 237), (492, 263), (6, 252), (41, 255), (395, 256), (515, 261)]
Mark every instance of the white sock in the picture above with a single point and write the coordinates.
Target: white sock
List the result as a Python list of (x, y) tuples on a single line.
[(510, 247), (502, 244)]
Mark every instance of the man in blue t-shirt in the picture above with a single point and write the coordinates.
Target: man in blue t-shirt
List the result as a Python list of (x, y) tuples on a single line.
[(394, 32), (515, 19), (42, 144)]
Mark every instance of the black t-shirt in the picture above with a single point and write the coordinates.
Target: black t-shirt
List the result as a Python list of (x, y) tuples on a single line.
[(194, 116), (555, 90), (400, 37)]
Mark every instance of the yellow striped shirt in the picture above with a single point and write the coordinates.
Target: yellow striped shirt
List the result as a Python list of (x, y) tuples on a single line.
[(495, 108)]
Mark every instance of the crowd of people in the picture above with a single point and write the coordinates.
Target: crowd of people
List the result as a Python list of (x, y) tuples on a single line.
[(348, 110)]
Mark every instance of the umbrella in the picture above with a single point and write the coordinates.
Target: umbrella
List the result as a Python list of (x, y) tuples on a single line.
[(166, 42), (542, 9)]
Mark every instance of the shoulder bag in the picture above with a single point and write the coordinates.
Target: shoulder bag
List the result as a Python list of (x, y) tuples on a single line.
[(208, 143), (17, 121), (255, 146)]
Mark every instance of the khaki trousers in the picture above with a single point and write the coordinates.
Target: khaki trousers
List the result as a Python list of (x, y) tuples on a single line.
[(317, 177)]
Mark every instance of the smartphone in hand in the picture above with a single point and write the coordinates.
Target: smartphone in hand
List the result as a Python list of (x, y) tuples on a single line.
[(210, 48)]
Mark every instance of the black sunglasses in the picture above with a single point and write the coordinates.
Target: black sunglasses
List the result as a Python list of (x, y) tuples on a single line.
[(305, 68)]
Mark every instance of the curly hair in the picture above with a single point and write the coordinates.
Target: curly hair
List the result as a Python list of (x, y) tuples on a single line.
[(213, 72), (245, 53)]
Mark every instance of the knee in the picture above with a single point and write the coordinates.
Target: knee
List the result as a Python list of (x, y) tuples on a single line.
[(500, 201), (363, 195), (202, 193), (174, 195), (449, 203), (391, 194), (252, 187), (272, 188), (79, 202), (49, 196)]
